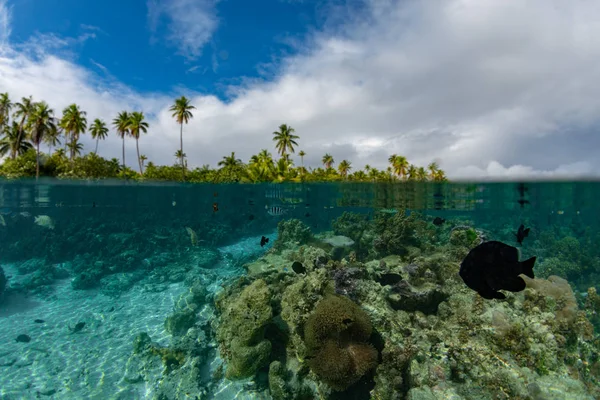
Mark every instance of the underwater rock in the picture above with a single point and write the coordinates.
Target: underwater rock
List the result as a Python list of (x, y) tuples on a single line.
[(292, 232), (336, 335), (277, 383), (179, 322), (241, 331), (425, 299), (339, 241), (345, 281), (23, 338)]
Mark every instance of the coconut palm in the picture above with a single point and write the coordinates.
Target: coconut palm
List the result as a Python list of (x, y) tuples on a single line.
[(421, 174), (75, 147), (328, 160), (344, 167), (52, 137), (285, 139), (302, 170), (399, 165), (5, 106), (136, 126), (74, 123), (121, 124), (143, 159), (22, 111), (433, 169), (40, 123), (12, 142), (99, 131), (262, 163), (230, 162), (180, 156), (182, 113)]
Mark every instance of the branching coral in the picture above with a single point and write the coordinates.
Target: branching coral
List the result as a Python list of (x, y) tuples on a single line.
[(337, 335)]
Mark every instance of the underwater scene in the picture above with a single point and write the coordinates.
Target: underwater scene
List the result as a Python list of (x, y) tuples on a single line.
[(418, 291)]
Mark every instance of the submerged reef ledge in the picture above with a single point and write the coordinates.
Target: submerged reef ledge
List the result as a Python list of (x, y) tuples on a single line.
[(379, 311), (375, 309)]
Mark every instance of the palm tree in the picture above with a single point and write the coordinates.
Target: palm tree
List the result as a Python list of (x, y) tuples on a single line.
[(98, 131), (180, 156), (136, 126), (302, 154), (121, 124), (433, 170), (182, 113), (12, 142), (52, 137), (285, 139), (74, 123), (328, 160), (263, 164), (22, 110), (143, 159), (399, 165), (41, 122), (411, 172), (75, 147), (230, 162), (344, 167), (5, 106), (421, 174)]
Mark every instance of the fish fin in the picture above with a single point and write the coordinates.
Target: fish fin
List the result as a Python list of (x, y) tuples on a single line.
[(527, 267), (513, 284), (491, 294), (526, 232)]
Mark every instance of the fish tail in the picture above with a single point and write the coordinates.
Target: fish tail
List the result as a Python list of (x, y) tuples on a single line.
[(527, 267)]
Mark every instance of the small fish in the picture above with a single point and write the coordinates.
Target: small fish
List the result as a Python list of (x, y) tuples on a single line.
[(276, 211), (39, 321), (215, 194), (94, 204), (307, 215), (22, 338), (215, 207), (298, 267), (494, 266), (78, 327), (251, 217), (560, 212), (174, 203), (521, 188), (388, 210), (263, 241), (522, 202), (438, 221), (25, 214), (521, 234), (250, 202)]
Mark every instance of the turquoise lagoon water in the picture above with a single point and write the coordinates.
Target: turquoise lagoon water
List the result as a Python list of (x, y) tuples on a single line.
[(113, 290)]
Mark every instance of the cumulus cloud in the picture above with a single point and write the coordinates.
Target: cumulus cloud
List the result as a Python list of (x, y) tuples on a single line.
[(488, 88), (190, 23)]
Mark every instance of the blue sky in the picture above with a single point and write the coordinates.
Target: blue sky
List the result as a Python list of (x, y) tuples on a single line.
[(487, 88), (134, 40)]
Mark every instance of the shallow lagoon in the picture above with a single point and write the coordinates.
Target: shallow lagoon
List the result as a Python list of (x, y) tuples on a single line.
[(179, 300)]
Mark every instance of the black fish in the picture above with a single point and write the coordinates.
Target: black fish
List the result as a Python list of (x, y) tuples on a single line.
[(215, 207), (78, 327), (39, 321), (22, 338), (298, 267), (263, 241), (521, 188), (521, 234), (307, 215), (389, 279), (251, 217), (494, 266), (522, 202), (438, 221)]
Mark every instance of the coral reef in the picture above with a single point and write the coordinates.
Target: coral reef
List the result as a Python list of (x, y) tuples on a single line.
[(292, 232), (336, 336), (241, 333)]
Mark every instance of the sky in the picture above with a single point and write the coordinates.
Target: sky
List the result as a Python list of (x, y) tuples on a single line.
[(489, 89)]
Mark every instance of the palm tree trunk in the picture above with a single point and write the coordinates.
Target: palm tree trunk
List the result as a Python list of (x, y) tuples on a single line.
[(37, 161), (97, 140), (181, 148), (137, 146), (123, 151)]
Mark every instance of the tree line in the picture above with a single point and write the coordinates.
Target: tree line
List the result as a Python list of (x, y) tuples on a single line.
[(26, 125)]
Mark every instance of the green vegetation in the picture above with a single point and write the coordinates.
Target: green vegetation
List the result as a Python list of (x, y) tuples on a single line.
[(26, 125)]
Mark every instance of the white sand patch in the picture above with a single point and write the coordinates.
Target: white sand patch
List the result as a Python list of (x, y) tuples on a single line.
[(60, 364)]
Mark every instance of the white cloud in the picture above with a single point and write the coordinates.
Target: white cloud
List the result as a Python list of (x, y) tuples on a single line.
[(488, 88), (190, 23)]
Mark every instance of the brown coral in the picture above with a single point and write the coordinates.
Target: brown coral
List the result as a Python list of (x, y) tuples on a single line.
[(336, 335)]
